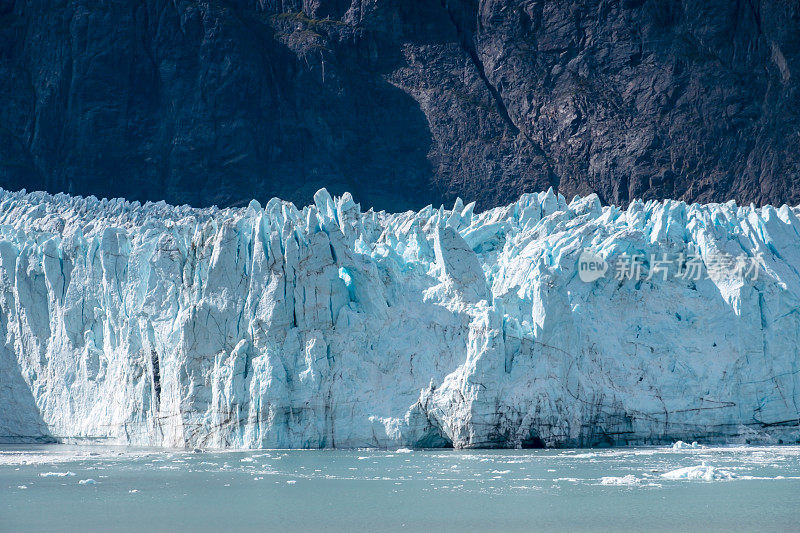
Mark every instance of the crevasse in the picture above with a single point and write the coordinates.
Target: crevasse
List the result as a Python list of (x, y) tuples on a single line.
[(331, 327)]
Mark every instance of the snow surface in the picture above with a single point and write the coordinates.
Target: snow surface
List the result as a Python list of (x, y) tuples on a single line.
[(327, 326)]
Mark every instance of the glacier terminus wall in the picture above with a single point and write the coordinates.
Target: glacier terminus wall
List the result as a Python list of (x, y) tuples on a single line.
[(331, 327)]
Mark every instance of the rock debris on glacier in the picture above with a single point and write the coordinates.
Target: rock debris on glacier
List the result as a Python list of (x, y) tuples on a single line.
[(327, 326)]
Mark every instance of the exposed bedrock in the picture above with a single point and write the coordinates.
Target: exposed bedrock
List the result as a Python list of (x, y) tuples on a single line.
[(402, 103)]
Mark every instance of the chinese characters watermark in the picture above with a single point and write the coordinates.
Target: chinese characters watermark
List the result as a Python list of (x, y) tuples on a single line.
[(660, 267)]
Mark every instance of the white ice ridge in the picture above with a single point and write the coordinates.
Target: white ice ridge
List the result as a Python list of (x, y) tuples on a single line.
[(327, 326)]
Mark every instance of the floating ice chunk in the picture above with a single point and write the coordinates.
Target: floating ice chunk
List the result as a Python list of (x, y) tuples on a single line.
[(629, 479), (89, 481), (403, 450), (291, 482), (699, 473), (680, 445), (56, 474)]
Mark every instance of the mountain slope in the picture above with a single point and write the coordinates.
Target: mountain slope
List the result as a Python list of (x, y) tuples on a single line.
[(401, 102)]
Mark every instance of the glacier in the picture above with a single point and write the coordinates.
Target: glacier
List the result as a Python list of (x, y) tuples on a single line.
[(326, 326)]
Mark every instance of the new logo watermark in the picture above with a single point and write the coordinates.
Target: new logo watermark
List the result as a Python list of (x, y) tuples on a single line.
[(592, 266)]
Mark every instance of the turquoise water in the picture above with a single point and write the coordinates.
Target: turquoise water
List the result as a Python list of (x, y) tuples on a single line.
[(748, 488)]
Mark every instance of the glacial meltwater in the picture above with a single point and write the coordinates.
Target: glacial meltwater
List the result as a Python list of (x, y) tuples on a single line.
[(685, 487)]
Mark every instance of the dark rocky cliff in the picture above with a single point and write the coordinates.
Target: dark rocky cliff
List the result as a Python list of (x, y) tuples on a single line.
[(402, 102)]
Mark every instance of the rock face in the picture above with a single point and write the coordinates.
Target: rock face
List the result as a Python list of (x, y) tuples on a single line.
[(401, 102), (328, 326)]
